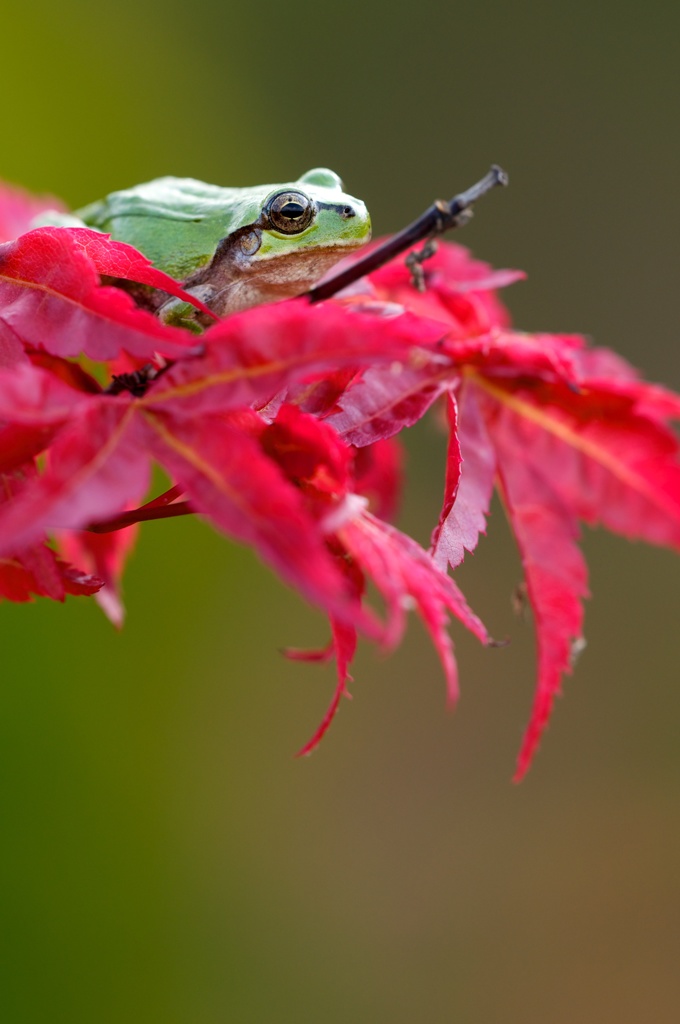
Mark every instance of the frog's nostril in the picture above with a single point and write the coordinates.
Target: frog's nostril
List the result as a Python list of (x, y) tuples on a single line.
[(348, 212)]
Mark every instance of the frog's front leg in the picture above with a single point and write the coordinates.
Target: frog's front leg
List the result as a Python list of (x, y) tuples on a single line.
[(178, 313)]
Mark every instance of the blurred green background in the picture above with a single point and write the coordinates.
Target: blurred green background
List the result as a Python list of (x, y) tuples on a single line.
[(163, 858)]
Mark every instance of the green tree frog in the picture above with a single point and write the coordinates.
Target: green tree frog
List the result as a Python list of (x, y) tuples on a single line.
[(234, 247)]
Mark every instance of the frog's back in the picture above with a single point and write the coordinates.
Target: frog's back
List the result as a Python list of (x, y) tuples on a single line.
[(175, 222)]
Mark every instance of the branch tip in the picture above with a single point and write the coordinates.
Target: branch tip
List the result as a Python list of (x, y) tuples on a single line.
[(440, 217)]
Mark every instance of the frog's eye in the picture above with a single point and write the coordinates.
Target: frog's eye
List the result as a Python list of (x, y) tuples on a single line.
[(289, 212)]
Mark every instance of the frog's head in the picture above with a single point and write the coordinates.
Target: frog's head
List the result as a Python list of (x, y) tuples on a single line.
[(289, 236), (313, 213)]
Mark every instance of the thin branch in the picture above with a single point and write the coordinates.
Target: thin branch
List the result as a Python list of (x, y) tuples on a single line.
[(141, 515), (437, 219), (172, 494)]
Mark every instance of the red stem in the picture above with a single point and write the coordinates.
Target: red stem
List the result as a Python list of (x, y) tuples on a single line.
[(141, 515)]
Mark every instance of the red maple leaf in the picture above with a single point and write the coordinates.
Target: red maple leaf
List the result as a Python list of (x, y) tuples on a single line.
[(279, 426), (568, 434)]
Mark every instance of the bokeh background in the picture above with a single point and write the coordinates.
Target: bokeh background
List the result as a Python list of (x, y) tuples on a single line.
[(163, 858)]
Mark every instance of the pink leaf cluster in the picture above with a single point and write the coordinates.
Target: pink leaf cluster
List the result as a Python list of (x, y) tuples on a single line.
[(279, 426)]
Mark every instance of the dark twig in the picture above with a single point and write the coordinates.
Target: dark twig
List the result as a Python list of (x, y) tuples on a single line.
[(414, 261), (438, 218), (136, 382)]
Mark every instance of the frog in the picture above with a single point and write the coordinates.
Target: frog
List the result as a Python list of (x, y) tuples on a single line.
[(233, 248)]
